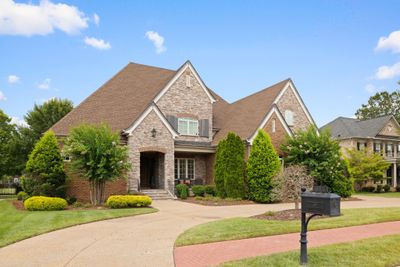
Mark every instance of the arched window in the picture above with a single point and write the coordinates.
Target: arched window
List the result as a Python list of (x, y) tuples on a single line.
[(289, 117)]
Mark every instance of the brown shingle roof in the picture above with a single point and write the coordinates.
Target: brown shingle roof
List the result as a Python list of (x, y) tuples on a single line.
[(245, 115), (120, 101)]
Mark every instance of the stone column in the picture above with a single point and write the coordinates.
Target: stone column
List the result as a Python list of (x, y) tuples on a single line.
[(394, 174)]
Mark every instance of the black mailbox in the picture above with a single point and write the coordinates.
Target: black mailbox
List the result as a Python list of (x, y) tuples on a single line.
[(320, 203)]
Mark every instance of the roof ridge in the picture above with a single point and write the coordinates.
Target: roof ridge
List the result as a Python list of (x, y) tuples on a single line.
[(261, 91)]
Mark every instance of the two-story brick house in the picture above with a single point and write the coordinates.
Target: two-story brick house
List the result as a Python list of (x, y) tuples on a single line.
[(171, 122), (380, 135)]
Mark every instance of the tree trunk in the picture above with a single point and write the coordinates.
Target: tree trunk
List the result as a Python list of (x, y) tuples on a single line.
[(296, 204), (97, 189)]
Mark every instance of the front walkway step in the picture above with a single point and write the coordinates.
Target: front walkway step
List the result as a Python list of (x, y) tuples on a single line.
[(157, 194), (213, 254)]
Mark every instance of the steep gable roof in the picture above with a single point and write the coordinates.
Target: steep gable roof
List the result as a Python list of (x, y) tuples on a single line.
[(120, 101), (244, 116), (348, 127)]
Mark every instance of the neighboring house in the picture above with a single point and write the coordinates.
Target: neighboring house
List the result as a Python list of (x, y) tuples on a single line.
[(380, 135), (171, 122)]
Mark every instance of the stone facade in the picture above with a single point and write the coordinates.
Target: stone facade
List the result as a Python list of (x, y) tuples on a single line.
[(288, 101), (391, 129), (141, 140), (182, 101)]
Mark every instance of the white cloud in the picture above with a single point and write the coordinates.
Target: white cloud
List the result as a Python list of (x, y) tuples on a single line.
[(13, 79), (2, 96), (45, 84), (97, 43), (157, 40), (388, 72), (392, 42), (96, 19), (41, 19), (370, 88), (18, 121)]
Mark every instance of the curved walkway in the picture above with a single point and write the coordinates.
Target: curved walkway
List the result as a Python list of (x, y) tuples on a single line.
[(145, 240)]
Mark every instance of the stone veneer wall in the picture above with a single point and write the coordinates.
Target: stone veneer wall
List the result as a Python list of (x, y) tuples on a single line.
[(183, 101), (142, 140), (289, 102)]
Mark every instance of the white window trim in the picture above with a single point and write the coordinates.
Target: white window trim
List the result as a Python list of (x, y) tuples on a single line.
[(189, 120), (289, 117), (187, 172), (273, 125)]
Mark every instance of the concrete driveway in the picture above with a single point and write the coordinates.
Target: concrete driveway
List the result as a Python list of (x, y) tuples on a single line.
[(145, 240)]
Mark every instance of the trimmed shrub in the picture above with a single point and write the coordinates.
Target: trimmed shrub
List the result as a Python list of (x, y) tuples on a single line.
[(368, 189), (198, 190), (128, 201), (262, 166), (219, 168), (379, 188), (386, 187), (182, 191), (71, 200), (398, 188), (22, 195), (45, 203), (210, 190)]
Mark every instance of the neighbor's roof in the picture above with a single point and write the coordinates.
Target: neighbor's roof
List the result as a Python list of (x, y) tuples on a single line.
[(244, 116), (347, 127), (120, 101)]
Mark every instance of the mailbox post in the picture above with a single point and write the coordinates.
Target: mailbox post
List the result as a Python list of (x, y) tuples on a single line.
[(317, 204)]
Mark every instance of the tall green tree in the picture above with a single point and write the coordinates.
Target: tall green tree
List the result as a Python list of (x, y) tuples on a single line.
[(96, 152), (365, 165), (321, 155), (234, 167), (7, 136), (262, 166), (43, 117), (219, 168), (45, 168), (380, 104)]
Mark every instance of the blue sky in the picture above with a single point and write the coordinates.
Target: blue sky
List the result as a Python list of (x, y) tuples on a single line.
[(338, 53)]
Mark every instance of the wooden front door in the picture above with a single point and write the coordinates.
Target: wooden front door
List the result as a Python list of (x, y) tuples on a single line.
[(147, 166)]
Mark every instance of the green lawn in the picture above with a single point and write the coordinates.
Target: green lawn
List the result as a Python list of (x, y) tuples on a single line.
[(16, 224), (373, 252), (388, 194), (239, 228)]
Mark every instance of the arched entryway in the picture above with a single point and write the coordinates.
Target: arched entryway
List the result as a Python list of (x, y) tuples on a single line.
[(152, 170)]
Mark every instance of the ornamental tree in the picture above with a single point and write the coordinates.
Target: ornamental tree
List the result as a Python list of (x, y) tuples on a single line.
[(262, 166), (365, 165), (321, 156), (96, 152), (45, 168), (219, 168)]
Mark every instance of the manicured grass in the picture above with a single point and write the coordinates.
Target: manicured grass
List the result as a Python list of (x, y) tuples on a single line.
[(239, 228), (16, 224), (373, 252), (387, 194)]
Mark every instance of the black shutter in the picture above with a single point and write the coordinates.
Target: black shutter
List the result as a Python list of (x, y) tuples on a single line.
[(204, 128), (173, 121)]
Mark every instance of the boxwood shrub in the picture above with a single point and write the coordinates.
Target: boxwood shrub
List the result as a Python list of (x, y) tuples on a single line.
[(210, 190), (22, 195), (182, 191), (198, 190), (45, 203), (128, 201)]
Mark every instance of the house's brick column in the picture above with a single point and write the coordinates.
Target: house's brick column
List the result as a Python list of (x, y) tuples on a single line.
[(141, 140)]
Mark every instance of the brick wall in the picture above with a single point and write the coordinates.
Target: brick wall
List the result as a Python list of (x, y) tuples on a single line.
[(277, 137)]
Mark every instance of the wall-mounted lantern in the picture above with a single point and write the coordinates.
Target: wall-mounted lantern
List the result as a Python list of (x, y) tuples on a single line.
[(153, 133)]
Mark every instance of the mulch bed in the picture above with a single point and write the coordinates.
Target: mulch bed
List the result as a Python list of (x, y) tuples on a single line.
[(219, 202), (19, 205), (284, 215)]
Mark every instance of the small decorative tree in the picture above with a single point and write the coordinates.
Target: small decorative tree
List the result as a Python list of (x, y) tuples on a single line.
[(293, 179), (262, 166), (322, 158), (96, 152), (45, 168), (234, 166), (365, 165), (220, 169)]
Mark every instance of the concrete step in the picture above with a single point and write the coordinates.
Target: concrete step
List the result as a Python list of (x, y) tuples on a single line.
[(157, 194)]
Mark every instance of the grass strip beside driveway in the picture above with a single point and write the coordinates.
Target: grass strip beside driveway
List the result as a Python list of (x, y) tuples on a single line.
[(240, 228), (387, 194), (372, 252), (16, 225)]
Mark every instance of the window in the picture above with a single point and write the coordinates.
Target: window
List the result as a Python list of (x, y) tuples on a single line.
[(378, 148), (289, 117), (273, 126), (184, 169), (361, 146), (188, 83), (389, 150), (187, 126)]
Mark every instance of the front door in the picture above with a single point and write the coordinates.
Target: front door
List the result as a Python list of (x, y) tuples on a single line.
[(147, 166)]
